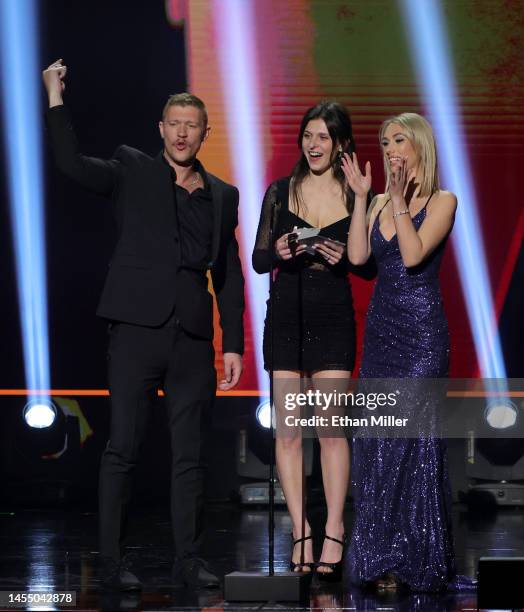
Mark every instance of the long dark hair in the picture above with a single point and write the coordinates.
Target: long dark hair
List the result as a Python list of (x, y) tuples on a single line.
[(338, 122)]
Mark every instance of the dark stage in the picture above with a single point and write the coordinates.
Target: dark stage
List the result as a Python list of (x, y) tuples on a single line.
[(49, 513), (56, 550)]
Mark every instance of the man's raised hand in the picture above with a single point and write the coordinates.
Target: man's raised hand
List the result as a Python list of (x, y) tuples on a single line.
[(53, 77)]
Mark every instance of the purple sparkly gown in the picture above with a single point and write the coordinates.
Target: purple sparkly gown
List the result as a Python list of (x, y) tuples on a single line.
[(400, 486)]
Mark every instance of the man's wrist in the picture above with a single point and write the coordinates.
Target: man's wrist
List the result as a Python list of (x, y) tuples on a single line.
[(55, 100)]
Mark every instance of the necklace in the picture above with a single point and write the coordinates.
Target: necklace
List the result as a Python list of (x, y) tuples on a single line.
[(195, 181)]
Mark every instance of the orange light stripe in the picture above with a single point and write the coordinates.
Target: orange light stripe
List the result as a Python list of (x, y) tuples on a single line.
[(234, 393), (105, 392), (485, 393)]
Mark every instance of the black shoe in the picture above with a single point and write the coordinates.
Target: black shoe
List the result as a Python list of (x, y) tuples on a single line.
[(194, 572), (115, 575), (335, 575), (299, 567)]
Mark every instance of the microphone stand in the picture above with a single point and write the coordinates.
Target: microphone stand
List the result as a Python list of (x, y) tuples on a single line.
[(259, 586)]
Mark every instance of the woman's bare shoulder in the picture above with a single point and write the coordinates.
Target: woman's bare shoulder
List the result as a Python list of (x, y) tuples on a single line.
[(445, 200)]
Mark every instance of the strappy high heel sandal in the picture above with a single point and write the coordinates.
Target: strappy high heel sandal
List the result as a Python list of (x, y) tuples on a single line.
[(335, 575), (293, 566)]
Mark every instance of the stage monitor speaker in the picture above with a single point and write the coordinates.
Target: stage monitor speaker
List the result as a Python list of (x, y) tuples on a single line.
[(285, 586), (500, 582)]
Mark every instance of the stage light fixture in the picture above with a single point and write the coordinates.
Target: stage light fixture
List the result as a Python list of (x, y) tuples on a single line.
[(40, 431), (495, 456), (263, 414), (19, 65), (501, 414), (39, 414), (235, 31), (42, 452)]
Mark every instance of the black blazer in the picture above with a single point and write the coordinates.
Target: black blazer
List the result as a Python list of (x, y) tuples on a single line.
[(145, 279)]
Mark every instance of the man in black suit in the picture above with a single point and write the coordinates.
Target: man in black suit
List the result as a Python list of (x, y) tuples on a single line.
[(175, 221)]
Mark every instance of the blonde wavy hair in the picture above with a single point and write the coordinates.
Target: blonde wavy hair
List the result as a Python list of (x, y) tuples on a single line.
[(420, 134)]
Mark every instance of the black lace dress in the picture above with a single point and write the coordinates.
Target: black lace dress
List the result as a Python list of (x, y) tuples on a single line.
[(313, 316)]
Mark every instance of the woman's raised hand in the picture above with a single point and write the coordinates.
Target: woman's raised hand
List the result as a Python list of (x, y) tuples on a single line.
[(398, 180), (359, 183)]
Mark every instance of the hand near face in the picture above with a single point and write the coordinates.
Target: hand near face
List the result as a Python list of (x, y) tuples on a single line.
[(359, 183), (398, 179)]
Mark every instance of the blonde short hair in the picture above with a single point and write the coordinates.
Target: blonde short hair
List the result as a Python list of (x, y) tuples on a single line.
[(420, 134), (186, 99)]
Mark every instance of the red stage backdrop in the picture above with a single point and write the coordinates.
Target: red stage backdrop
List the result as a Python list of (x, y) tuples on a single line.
[(357, 52)]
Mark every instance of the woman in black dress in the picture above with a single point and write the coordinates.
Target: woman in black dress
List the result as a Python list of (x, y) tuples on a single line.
[(313, 330)]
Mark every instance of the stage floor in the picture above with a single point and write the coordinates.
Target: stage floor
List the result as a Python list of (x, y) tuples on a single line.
[(56, 550)]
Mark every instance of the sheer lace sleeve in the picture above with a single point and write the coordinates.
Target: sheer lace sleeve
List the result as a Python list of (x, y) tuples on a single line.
[(263, 251)]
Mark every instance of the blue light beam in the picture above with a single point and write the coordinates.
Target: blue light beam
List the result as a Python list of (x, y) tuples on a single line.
[(430, 51), (23, 151), (236, 36)]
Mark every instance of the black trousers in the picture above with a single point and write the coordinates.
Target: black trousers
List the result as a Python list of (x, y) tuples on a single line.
[(141, 360)]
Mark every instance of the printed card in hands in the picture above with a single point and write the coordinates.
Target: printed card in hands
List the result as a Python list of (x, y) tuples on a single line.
[(310, 236)]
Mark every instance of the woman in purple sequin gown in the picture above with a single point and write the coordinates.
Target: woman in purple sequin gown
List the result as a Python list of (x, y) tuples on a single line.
[(402, 530)]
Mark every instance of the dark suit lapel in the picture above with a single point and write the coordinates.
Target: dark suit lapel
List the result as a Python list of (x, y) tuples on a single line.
[(218, 194), (163, 196)]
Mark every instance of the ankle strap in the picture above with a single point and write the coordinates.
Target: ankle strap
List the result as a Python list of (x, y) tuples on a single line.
[(341, 542), (309, 537)]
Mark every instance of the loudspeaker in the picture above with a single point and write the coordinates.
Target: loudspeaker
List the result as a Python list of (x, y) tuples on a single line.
[(500, 582)]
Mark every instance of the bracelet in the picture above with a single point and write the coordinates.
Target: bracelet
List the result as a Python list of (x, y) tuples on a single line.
[(401, 212)]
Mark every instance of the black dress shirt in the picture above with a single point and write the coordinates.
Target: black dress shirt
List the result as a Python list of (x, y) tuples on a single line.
[(194, 215)]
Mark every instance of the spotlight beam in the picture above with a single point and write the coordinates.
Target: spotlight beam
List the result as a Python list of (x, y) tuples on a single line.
[(235, 43), (23, 152), (430, 52)]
